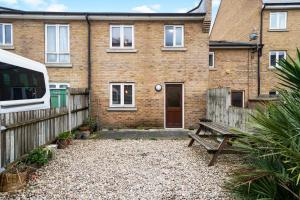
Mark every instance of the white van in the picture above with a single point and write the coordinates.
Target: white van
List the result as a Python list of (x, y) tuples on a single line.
[(23, 84)]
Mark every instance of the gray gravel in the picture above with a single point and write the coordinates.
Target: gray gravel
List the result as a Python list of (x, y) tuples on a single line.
[(130, 169)]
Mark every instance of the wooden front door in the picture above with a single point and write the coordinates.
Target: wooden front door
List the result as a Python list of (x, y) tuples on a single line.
[(174, 106)]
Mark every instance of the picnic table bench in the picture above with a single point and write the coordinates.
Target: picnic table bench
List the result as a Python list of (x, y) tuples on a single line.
[(214, 130)]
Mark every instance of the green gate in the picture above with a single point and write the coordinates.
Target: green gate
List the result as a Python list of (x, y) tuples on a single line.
[(58, 98)]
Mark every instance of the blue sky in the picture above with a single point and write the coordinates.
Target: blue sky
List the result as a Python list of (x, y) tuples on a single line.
[(105, 5)]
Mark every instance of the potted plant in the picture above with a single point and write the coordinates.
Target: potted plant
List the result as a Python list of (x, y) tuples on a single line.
[(39, 157), (63, 140), (14, 178)]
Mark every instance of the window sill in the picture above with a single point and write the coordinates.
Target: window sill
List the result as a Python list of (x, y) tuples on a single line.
[(7, 47), (212, 69), (272, 68), (174, 49), (121, 50), (59, 65), (122, 109), (278, 30)]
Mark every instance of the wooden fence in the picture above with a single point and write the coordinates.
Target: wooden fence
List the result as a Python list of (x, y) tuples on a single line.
[(25, 131), (219, 109)]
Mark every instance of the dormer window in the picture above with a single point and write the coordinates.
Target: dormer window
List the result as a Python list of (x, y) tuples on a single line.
[(278, 20)]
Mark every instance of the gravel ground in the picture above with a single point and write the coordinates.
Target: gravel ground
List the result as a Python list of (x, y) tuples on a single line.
[(130, 169)]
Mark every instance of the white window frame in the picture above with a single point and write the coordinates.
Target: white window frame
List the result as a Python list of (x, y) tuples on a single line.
[(277, 58), (174, 36), (57, 86), (3, 34), (121, 36), (122, 105), (57, 52), (213, 55), (278, 21)]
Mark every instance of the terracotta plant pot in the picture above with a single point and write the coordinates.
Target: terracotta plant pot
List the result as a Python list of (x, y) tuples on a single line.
[(11, 182), (84, 128), (62, 144), (69, 141)]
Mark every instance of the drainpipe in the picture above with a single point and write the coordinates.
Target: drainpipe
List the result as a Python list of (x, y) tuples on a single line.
[(89, 62), (259, 51)]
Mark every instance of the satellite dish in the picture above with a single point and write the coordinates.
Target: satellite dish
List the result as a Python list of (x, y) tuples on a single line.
[(253, 36)]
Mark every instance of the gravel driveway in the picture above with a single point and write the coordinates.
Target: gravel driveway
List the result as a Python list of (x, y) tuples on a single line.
[(129, 169)]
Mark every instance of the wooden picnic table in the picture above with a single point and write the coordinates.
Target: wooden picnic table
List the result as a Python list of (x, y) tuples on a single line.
[(215, 131)]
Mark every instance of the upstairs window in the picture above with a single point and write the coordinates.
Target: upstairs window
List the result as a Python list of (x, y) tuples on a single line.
[(122, 95), (6, 34), (174, 36), (278, 20), (237, 99), (121, 36), (57, 43), (211, 60), (275, 57)]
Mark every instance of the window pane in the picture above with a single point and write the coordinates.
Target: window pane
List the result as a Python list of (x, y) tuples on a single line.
[(282, 20), (128, 94), (18, 83), (63, 39), (273, 18), (127, 37), (116, 41), (64, 58), (281, 55), (237, 99), (169, 35), (51, 57), (51, 39), (273, 59), (179, 34), (116, 94), (8, 39), (1, 34), (211, 60)]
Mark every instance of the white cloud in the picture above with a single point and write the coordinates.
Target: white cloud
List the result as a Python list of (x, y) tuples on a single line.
[(34, 3), (8, 1), (56, 7), (182, 10), (147, 9)]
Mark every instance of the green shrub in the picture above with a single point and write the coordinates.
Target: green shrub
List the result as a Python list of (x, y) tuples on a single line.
[(272, 166), (64, 136), (91, 123), (39, 156)]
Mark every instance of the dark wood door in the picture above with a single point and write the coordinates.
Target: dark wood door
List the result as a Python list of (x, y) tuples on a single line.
[(173, 106)]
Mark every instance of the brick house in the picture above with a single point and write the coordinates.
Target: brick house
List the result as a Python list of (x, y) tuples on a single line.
[(247, 67), (143, 70)]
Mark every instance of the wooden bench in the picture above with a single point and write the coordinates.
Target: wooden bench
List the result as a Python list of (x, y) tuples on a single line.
[(215, 131)]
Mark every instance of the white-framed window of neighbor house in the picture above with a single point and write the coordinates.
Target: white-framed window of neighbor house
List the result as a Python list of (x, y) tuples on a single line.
[(278, 20), (275, 57), (122, 95), (174, 36), (211, 60), (122, 36), (6, 34), (57, 37)]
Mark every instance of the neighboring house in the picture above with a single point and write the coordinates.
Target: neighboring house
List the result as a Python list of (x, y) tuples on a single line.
[(143, 70), (248, 66)]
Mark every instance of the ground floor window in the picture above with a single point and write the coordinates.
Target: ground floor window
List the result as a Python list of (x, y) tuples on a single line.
[(275, 57), (237, 99), (58, 95), (122, 95)]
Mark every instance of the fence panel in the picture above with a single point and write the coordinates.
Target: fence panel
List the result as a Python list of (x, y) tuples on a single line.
[(25, 131), (220, 111)]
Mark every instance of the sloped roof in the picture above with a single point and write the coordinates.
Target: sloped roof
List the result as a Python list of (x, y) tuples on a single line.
[(7, 9), (200, 8)]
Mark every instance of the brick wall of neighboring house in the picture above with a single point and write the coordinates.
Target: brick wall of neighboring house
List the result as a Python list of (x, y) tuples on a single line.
[(287, 40), (237, 69), (29, 41), (146, 68), (236, 20)]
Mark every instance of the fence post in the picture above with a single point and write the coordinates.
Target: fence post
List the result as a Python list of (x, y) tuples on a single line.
[(1, 169), (69, 110)]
